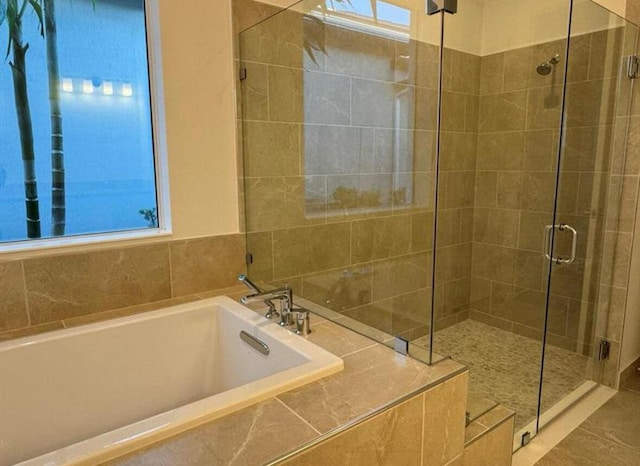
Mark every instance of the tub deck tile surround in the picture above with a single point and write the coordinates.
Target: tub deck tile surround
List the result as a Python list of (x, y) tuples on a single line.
[(374, 376), (251, 436)]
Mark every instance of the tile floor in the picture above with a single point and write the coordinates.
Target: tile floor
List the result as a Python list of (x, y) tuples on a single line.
[(505, 367), (609, 437)]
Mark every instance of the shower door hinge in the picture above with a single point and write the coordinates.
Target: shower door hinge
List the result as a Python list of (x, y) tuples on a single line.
[(242, 74), (633, 66), (248, 258), (604, 350), (436, 6)]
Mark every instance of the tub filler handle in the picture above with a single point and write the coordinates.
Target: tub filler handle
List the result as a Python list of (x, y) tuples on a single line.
[(255, 343)]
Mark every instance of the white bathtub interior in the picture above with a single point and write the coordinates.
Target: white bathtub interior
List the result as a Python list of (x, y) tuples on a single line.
[(72, 385)]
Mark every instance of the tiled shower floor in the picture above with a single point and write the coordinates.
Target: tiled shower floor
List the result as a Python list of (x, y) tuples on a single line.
[(505, 367)]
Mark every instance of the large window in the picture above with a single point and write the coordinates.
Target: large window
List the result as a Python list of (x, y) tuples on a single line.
[(91, 171)]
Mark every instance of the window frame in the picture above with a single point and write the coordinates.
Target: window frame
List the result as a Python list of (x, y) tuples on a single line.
[(160, 160)]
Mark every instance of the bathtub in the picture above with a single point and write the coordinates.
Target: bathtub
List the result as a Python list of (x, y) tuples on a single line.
[(90, 393)]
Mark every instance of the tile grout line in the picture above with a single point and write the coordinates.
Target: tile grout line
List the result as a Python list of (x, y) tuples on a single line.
[(171, 277), (373, 344), (297, 415)]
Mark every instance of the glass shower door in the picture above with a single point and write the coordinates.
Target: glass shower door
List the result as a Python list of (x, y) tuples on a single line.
[(498, 164), (584, 283)]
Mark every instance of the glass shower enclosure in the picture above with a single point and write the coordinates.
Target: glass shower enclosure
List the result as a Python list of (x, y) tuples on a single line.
[(447, 183)]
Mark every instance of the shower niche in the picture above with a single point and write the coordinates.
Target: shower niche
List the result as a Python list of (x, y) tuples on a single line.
[(454, 182)]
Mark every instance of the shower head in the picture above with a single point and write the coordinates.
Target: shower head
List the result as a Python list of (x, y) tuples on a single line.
[(546, 67)]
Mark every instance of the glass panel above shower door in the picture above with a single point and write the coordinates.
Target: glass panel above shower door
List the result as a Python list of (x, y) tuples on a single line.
[(586, 285), (339, 133), (501, 109)]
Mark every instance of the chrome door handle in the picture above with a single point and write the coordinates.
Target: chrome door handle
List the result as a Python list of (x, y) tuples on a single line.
[(547, 243)]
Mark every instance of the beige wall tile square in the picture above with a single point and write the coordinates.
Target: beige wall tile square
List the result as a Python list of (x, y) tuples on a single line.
[(359, 54), (509, 190), (472, 110), (422, 231), (448, 227), (530, 269), (287, 94), (271, 149), (500, 151), (580, 146), (496, 226), (328, 150), (339, 290), (466, 225), (260, 246), (444, 420), (540, 189), (282, 202), (377, 315), (453, 111), (543, 107), (480, 294), (13, 308), (460, 189), (279, 41), (465, 72), (380, 238), (493, 262), (425, 108), (411, 314), (517, 70), (632, 160), (247, 13), (421, 68), (502, 112), (392, 437), (491, 74), (326, 98), (532, 230), (579, 51), (206, 264), (300, 251), (373, 103), (540, 150), (591, 103), (401, 275), (243, 437), (255, 92), (453, 262), (606, 50), (456, 296), (458, 151), (486, 189), (493, 449)]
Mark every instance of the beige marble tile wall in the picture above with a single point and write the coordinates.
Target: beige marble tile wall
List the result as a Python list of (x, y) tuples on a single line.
[(339, 166), (456, 191), (620, 223), (40, 292), (515, 179)]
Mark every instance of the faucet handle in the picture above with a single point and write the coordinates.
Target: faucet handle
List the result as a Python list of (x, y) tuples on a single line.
[(303, 321)]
